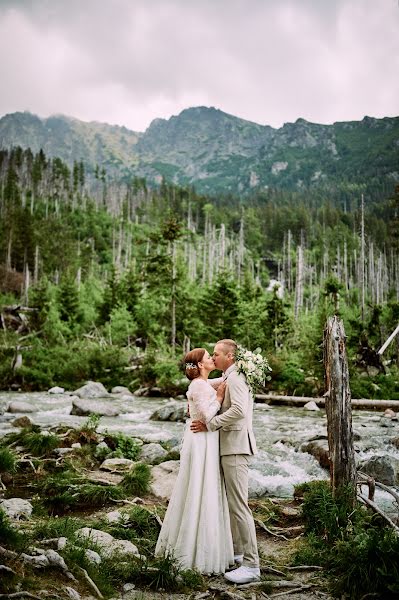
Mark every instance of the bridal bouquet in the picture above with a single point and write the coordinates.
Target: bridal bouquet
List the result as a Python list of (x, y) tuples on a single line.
[(253, 365)]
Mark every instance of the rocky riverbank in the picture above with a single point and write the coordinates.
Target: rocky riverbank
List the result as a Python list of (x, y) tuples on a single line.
[(83, 496), (81, 512)]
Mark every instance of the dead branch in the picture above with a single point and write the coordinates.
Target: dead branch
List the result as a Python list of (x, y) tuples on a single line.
[(272, 570), (91, 582), (27, 460), (305, 568), (263, 526), (292, 591), (7, 569), (283, 583), (231, 595), (20, 595), (382, 486), (295, 530), (378, 510), (7, 553)]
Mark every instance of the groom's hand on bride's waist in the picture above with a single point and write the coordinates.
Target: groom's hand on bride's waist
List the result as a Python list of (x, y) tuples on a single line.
[(197, 426)]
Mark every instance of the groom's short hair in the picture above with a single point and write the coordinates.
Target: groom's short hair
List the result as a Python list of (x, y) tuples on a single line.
[(229, 345)]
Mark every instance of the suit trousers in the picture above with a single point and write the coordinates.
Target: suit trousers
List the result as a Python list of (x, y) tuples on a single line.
[(235, 470)]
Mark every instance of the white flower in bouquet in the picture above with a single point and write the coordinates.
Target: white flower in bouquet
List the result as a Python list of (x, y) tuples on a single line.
[(254, 366)]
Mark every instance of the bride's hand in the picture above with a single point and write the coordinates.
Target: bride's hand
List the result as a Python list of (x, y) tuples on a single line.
[(220, 392)]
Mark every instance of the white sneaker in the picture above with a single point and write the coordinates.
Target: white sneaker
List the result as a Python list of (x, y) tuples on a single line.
[(238, 558), (243, 575)]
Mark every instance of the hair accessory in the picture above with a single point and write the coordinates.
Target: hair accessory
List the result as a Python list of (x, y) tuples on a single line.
[(190, 365)]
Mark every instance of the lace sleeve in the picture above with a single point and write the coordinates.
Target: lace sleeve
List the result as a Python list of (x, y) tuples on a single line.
[(204, 401), (215, 382)]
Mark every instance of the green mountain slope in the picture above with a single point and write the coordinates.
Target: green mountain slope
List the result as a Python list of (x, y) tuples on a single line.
[(109, 146), (220, 153)]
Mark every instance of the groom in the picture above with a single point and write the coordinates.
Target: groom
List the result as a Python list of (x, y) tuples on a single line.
[(237, 444)]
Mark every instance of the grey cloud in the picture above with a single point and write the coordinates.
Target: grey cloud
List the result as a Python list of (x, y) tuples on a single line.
[(270, 61)]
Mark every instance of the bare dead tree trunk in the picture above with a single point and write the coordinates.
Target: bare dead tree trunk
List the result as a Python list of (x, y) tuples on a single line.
[(362, 259), (299, 281), (173, 332), (9, 252), (338, 407), (346, 279), (36, 266), (240, 257), (289, 275)]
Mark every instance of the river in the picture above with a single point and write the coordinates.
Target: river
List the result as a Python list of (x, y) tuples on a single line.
[(279, 431)]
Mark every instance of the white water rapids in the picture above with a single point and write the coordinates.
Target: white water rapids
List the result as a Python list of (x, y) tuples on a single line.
[(279, 431)]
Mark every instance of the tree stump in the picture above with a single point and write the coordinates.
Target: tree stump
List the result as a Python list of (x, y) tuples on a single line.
[(338, 408)]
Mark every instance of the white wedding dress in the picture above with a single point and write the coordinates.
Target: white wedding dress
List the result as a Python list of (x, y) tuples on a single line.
[(196, 528)]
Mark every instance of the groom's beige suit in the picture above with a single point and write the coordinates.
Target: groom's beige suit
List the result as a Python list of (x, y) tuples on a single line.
[(237, 444)]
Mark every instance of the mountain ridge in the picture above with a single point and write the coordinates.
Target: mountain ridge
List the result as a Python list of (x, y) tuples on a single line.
[(220, 153)]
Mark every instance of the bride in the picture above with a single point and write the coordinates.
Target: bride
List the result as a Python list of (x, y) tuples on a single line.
[(196, 528)]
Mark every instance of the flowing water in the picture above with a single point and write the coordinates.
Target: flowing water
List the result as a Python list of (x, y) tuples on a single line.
[(279, 431)]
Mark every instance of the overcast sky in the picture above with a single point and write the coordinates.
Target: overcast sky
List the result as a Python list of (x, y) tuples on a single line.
[(127, 62)]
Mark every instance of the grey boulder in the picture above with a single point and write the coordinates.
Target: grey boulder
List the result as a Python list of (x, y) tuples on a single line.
[(20, 407), (384, 469), (173, 411), (164, 478), (92, 389), (16, 508), (84, 408), (152, 452)]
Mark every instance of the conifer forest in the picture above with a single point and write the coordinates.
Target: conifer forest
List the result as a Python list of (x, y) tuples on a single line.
[(113, 280)]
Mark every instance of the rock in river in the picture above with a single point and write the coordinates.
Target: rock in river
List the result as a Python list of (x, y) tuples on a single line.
[(384, 469), (85, 408), (92, 389), (173, 411), (22, 422), (20, 407), (56, 390), (318, 449)]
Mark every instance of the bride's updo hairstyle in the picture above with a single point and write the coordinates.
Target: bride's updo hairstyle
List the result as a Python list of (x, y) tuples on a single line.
[(191, 361)]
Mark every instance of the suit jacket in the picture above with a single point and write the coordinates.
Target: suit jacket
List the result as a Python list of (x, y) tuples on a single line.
[(235, 418)]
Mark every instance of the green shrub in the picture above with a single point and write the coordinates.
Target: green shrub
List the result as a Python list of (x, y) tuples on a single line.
[(139, 525), (137, 481), (40, 444), (367, 563), (9, 535), (127, 446), (87, 433), (8, 461), (69, 490), (356, 548), (36, 442), (57, 527), (71, 364)]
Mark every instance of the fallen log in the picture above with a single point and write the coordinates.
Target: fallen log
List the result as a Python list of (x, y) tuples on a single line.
[(365, 403)]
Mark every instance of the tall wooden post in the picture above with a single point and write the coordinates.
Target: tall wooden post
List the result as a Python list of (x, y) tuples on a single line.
[(338, 407)]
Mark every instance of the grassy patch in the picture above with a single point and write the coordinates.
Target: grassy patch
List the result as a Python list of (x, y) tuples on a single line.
[(10, 536), (122, 446), (8, 461), (57, 527), (137, 481), (358, 551), (36, 442), (138, 526)]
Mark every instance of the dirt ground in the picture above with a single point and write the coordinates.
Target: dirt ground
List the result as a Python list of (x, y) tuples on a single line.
[(275, 557)]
